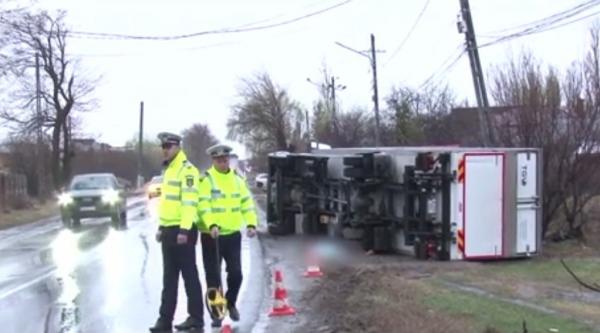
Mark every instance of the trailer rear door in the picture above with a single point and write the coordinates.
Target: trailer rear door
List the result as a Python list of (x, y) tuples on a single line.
[(527, 202), (483, 205)]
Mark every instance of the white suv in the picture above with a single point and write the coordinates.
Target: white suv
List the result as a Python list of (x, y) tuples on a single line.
[(261, 180)]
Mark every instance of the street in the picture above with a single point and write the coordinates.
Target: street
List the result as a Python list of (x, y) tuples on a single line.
[(98, 279)]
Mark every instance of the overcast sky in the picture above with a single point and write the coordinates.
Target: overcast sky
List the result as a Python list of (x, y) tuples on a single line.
[(196, 80)]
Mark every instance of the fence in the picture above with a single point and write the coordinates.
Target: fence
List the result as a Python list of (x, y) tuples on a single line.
[(13, 191)]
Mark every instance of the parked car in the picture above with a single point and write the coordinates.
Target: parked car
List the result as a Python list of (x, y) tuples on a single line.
[(153, 188), (93, 196), (261, 180)]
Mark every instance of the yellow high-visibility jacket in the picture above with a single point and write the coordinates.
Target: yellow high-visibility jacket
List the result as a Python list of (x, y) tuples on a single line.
[(225, 201), (179, 194)]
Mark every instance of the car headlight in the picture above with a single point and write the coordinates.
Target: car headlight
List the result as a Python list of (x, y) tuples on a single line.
[(65, 199), (110, 197)]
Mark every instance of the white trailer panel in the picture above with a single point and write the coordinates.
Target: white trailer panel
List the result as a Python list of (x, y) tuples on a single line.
[(527, 202)]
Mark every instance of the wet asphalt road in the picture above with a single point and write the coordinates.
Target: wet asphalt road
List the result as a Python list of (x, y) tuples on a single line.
[(98, 279)]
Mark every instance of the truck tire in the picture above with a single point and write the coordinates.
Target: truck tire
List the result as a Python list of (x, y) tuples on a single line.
[(119, 220), (123, 220), (66, 221)]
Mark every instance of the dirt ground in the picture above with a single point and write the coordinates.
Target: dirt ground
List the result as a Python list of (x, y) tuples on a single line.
[(358, 292), (394, 293), (375, 299)]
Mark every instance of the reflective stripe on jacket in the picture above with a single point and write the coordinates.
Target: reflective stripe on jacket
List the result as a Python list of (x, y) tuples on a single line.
[(224, 200), (179, 194)]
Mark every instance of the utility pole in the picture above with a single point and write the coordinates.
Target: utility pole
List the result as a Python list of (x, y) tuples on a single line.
[(370, 54), (375, 90), (308, 136), (334, 110), (477, 73), (331, 88), (39, 125), (67, 151), (140, 179), (333, 107)]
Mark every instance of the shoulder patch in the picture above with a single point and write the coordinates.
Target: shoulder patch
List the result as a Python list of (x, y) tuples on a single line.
[(189, 181)]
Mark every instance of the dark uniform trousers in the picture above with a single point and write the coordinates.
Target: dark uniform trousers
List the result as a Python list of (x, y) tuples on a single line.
[(180, 259), (230, 247)]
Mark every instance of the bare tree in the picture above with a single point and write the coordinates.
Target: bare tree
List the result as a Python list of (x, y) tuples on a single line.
[(418, 117), (326, 113), (322, 123), (354, 129), (267, 119), (561, 116), (9, 9), (582, 95), (25, 160), (196, 140), (536, 120), (151, 155), (64, 88)]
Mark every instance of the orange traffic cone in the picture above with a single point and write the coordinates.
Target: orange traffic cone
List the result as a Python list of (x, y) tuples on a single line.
[(313, 269), (280, 307), (226, 329)]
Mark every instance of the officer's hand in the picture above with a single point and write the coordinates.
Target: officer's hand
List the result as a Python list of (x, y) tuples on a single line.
[(158, 236), (214, 232), (182, 238), (250, 232)]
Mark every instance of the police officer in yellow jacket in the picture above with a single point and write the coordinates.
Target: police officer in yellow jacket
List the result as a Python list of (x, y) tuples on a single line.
[(178, 235), (225, 205)]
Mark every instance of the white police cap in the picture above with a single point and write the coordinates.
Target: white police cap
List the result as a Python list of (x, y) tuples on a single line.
[(166, 137), (219, 150)]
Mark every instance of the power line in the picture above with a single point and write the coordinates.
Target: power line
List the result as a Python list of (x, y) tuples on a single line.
[(563, 14), (542, 25), (445, 67), (528, 31), (102, 35), (145, 54), (536, 30), (552, 22), (412, 29)]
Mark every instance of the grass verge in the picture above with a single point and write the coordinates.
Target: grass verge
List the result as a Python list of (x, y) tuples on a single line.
[(28, 215), (493, 315)]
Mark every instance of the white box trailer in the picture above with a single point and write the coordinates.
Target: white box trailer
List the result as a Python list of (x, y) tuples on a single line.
[(442, 202)]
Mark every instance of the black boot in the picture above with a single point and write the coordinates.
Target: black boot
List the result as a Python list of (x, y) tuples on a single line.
[(234, 314), (190, 323), (162, 326)]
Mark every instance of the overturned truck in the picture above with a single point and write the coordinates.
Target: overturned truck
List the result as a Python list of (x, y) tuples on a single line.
[(444, 203)]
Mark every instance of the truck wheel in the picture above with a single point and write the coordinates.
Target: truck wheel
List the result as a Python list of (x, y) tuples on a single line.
[(119, 218), (66, 220), (116, 220), (123, 220)]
